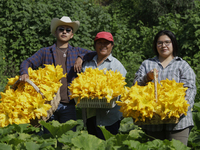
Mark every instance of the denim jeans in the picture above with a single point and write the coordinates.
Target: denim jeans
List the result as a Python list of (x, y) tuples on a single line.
[(64, 113)]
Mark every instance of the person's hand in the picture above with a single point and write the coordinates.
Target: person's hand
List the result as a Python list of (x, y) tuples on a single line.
[(23, 77), (150, 75), (78, 65)]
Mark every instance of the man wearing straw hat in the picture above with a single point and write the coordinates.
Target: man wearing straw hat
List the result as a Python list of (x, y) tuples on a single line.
[(61, 53)]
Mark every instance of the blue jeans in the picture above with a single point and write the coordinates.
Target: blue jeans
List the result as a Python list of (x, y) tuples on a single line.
[(64, 113)]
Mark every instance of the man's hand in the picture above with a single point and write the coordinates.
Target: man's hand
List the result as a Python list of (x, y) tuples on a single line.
[(23, 77), (78, 65)]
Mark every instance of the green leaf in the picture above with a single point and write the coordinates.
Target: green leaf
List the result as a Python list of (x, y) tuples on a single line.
[(4, 146), (197, 106), (67, 137), (133, 145), (88, 142), (194, 138), (32, 146), (120, 138), (9, 138), (25, 128), (196, 118), (106, 133), (57, 129), (179, 145), (136, 134), (24, 136), (6, 130), (159, 144), (127, 125), (47, 142)]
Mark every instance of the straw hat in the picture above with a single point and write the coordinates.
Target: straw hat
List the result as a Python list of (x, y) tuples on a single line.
[(55, 22)]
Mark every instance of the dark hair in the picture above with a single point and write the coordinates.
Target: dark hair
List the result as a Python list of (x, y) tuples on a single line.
[(171, 36)]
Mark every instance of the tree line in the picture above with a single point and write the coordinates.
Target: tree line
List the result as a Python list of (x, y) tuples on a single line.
[(25, 28)]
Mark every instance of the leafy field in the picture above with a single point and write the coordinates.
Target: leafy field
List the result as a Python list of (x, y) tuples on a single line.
[(131, 137)]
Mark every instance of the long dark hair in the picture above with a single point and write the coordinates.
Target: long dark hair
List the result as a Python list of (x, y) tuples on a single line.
[(171, 36)]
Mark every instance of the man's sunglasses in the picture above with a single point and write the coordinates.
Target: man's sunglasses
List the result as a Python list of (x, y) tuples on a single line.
[(61, 29)]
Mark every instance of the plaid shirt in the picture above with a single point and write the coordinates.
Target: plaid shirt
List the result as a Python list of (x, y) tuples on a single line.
[(181, 72), (47, 55)]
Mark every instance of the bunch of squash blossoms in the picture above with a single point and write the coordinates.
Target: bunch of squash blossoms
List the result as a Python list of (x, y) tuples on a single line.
[(139, 102), (20, 105), (95, 83)]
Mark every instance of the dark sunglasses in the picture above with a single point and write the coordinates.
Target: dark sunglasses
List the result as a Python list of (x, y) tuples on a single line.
[(61, 29)]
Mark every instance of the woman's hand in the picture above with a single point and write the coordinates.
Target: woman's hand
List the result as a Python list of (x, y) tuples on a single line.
[(78, 65), (150, 75)]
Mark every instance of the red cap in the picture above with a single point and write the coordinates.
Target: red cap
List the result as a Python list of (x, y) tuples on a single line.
[(104, 35)]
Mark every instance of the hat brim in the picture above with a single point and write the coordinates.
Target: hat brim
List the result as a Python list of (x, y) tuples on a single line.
[(57, 22)]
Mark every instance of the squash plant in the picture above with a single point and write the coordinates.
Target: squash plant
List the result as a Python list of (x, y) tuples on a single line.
[(27, 137)]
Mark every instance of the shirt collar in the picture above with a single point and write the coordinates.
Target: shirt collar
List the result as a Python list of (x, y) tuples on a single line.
[(54, 47), (175, 58), (109, 58)]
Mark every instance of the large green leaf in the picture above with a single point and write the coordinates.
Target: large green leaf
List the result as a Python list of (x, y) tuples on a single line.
[(127, 125), (159, 144), (88, 142), (47, 142), (196, 118), (194, 139), (16, 138), (9, 138), (197, 106), (67, 137), (4, 146), (179, 145), (136, 134), (106, 133), (6, 130), (25, 128), (57, 129), (120, 138), (135, 145), (32, 146)]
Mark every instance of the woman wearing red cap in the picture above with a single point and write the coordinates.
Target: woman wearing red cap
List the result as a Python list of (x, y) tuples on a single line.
[(110, 118)]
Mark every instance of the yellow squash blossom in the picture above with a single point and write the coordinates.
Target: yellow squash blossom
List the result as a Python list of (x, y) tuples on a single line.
[(139, 101), (95, 83), (23, 104)]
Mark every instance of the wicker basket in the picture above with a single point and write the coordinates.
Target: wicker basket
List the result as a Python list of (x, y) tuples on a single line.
[(54, 103), (156, 119), (96, 103)]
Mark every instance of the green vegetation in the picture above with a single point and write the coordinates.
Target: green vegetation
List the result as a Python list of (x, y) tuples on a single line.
[(27, 137), (25, 28)]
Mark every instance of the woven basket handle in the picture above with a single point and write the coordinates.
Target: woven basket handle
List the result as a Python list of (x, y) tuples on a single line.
[(155, 83), (35, 87)]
